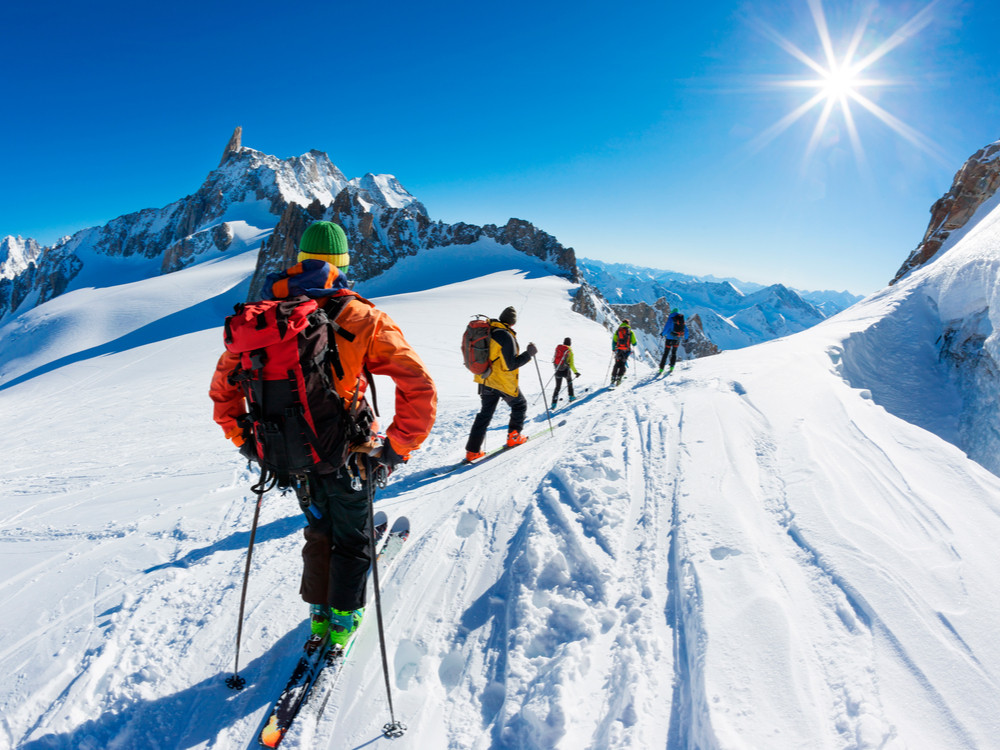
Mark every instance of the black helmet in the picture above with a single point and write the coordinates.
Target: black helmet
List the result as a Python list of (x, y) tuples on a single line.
[(567, 342)]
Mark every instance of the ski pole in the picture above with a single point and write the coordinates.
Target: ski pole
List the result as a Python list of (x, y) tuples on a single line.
[(547, 412), (544, 387), (394, 728), (235, 681)]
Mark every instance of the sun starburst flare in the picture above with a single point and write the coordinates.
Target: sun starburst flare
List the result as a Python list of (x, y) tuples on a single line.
[(839, 81)]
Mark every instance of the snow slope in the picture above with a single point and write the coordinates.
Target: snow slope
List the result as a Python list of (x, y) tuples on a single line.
[(751, 553)]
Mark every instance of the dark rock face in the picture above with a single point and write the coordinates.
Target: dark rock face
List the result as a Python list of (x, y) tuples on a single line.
[(974, 184), (234, 145), (589, 302), (45, 278), (525, 237), (181, 254), (378, 240)]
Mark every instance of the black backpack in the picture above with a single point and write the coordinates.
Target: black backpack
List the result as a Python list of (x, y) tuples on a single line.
[(678, 325)]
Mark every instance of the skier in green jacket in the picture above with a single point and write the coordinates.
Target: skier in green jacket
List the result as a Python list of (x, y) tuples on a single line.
[(621, 344), (563, 362)]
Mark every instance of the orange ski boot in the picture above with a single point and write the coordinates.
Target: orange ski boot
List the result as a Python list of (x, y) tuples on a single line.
[(516, 438)]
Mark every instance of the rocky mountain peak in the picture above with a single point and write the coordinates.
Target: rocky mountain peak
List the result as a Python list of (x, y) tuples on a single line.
[(974, 184), (234, 145), (385, 190)]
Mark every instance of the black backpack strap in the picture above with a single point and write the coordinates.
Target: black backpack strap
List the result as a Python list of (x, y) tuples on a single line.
[(371, 388), (331, 309)]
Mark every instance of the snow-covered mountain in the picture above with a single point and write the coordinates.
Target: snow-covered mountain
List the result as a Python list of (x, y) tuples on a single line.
[(731, 314), (16, 254), (253, 200), (785, 546)]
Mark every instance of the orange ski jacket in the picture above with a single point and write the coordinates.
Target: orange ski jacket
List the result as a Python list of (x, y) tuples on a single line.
[(378, 344)]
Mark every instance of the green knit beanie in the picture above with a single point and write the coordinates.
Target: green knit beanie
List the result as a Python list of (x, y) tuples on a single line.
[(325, 241)]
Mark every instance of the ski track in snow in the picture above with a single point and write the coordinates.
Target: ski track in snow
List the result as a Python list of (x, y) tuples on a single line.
[(687, 563)]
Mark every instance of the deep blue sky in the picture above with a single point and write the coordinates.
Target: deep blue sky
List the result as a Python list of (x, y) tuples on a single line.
[(625, 129)]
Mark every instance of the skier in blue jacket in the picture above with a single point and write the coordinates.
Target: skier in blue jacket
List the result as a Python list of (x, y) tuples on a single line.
[(673, 330)]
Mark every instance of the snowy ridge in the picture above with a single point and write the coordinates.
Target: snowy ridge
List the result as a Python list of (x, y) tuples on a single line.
[(387, 192), (947, 324), (750, 553)]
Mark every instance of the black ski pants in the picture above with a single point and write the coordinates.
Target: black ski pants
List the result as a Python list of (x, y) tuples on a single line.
[(337, 552), (621, 364), (669, 347), (490, 397), (563, 372)]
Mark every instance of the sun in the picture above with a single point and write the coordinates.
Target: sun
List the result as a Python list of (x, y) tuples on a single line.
[(839, 78), (839, 83)]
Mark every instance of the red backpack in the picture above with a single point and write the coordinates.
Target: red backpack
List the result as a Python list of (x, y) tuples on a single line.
[(623, 337), (476, 346), (559, 358), (286, 349)]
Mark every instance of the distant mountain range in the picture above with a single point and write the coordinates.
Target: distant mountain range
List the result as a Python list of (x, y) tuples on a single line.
[(727, 313)]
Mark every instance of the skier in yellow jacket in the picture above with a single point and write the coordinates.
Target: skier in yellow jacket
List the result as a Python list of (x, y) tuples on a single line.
[(501, 382)]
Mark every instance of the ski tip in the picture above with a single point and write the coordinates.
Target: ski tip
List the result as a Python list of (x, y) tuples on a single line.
[(272, 734), (400, 525), (381, 518)]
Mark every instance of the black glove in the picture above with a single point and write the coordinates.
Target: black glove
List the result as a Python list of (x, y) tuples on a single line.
[(531, 350), (249, 450), (249, 447), (382, 460), (576, 375), (388, 456)]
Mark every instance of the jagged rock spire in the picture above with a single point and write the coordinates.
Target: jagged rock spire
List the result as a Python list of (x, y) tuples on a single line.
[(234, 145), (974, 184)]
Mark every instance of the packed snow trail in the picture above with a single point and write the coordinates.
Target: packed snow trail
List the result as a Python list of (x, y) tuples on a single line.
[(750, 553)]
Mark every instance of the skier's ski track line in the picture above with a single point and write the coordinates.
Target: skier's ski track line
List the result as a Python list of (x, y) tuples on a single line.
[(646, 567), (572, 608), (617, 642), (545, 625), (690, 722), (514, 688)]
